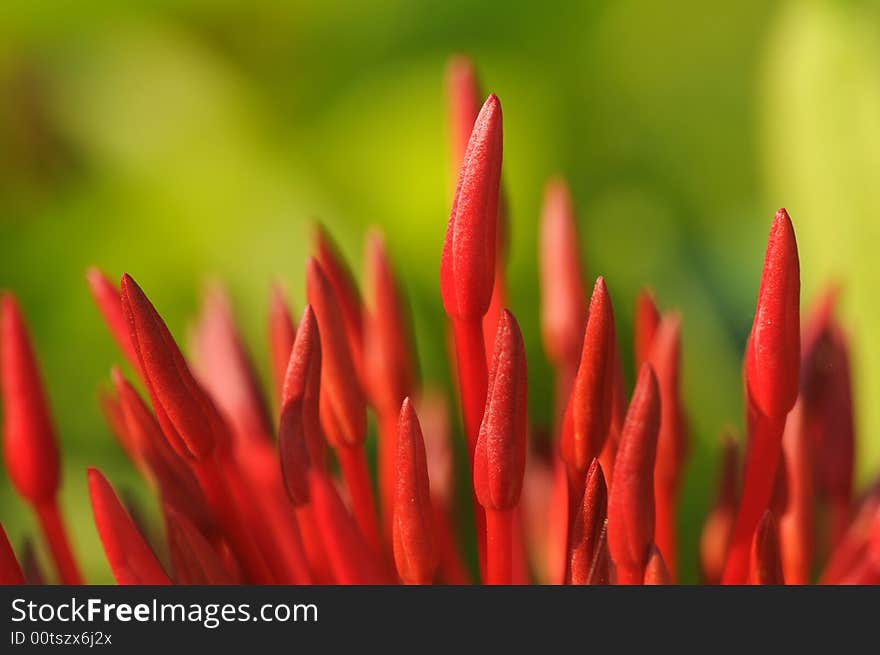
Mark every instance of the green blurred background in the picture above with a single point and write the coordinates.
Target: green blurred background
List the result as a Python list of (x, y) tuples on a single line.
[(185, 141)]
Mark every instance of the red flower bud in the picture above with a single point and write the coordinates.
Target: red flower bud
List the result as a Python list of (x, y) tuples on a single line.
[(109, 303), (656, 572), (467, 268), (282, 332), (587, 527), (415, 551), (647, 318), (194, 560), (766, 565), (463, 95)]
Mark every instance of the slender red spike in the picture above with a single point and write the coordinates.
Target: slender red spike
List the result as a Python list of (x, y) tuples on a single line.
[(29, 441), (10, 571), (647, 320), (115, 419), (349, 555), (415, 550), (590, 405), (656, 572), (463, 96), (774, 352), (665, 357), (631, 499), (499, 458), (343, 407), (188, 419), (772, 366), (587, 527), (130, 557), (563, 305), (106, 296), (796, 521), (345, 291), (224, 369), (294, 454), (467, 269), (282, 333), (388, 365), (766, 564), (193, 559), (29, 444), (302, 384), (715, 537)]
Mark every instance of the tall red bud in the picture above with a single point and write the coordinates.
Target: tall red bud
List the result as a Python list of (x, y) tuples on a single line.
[(647, 320), (29, 442), (563, 305), (766, 564), (796, 522), (772, 369), (586, 528), (656, 572), (109, 303), (131, 558), (631, 500), (665, 357), (225, 370), (415, 549), (500, 454), (282, 332)]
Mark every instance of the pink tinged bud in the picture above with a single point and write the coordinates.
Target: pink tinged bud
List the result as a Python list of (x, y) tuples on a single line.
[(591, 401), (647, 319), (467, 268), (656, 572), (282, 332), (345, 291), (587, 527), (343, 408), (188, 418), (631, 500), (10, 570), (29, 444), (500, 456), (766, 565), (563, 305), (388, 366), (194, 560), (463, 96), (226, 372), (301, 388), (415, 552), (773, 352), (109, 303), (131, 559)]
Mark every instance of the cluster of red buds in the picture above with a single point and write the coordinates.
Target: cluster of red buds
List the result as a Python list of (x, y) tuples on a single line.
[(248, 498)]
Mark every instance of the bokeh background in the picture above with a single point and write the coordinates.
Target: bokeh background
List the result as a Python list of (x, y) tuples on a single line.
[(184, 141)]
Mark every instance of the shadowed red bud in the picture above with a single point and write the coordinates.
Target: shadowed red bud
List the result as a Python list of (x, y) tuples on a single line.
[(347, 552), (563, 308), (500, 456), (773, 352), (388, 366), (293, 452), (10, 571), (590, 404), (719, 523), (282, 332), (463, 96), (29, 444), (131, 559), (344, 289), (467, 267), (796, 525), (188, 418), (194, 560), (343, 409), (302, 386), (587, 526), (766, 565), (415, 551), (647, 318), (107, 298), (225, 370), (631, 500), (115, 419), (655, 570)]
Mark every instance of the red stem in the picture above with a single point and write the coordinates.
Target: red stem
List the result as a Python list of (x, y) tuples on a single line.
[(499, 546), (225, 512), (470, 354), (59, 545), (356, 473), (762, 460)]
